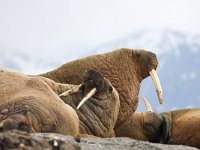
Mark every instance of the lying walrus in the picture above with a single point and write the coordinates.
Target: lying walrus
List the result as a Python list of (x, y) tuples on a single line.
[(32, 104), (28, 103), (180, 127), (124, 68)]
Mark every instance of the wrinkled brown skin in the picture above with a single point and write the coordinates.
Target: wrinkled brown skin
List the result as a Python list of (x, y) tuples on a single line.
[(33, 98), (141, 126), (98, 115), (185, 128), (180, 127), (124, 68), (29, 104)]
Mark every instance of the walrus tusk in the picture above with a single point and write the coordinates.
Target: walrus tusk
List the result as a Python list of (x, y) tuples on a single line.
[(70, 91), (157, 84), (1, 125), (148, 106), (90, 94)]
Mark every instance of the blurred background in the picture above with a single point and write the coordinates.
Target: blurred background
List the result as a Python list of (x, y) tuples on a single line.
[(39, 35)]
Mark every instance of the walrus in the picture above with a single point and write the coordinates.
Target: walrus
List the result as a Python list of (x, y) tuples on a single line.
[(29, 104), (124, 68), (99, 114), (32, 104), (179, 127)]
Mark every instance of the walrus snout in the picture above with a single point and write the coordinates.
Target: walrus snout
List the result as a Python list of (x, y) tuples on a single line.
[(94, 84), (94, 79), (148, 64)]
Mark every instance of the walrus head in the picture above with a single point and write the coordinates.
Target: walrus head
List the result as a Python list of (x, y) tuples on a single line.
[(96, 103), (146, 126), (95, 84), (146, 64)]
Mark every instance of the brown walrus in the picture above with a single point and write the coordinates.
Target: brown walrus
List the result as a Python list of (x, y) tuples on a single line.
[(32, 104), (179, 127), (29, 104), (98, 115), (124, 68)]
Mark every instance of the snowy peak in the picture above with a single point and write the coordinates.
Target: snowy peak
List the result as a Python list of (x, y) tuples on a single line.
[(160, 42)]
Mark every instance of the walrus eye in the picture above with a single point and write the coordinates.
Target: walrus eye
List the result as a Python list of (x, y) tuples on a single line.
[(23, 127), (138, 54)]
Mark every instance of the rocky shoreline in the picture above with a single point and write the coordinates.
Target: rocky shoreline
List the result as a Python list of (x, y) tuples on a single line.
[(31, 141)]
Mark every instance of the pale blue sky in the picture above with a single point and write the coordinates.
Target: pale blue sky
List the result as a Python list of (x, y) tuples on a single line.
[(37, 26), (36, 35)]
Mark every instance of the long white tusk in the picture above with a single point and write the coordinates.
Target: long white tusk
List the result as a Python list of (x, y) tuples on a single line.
[(157, 84), (1, 125), (148, 106), (90, 94), (72, 90)]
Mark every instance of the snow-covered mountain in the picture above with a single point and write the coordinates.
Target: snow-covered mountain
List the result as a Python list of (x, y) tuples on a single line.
[(178, 56)]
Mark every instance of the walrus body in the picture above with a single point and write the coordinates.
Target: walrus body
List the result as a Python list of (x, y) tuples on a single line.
[(32, 102), (124, 68), (185, 127), (180, 127), (29, 104)]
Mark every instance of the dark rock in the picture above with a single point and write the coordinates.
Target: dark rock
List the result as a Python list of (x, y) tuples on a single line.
[(35, 141), (31, 141)]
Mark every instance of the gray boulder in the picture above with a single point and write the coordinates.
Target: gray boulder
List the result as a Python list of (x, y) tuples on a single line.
[(30, 141)]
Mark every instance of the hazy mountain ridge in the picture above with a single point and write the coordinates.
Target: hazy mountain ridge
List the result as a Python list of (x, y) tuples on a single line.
[(178, 56), (23, 62)]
